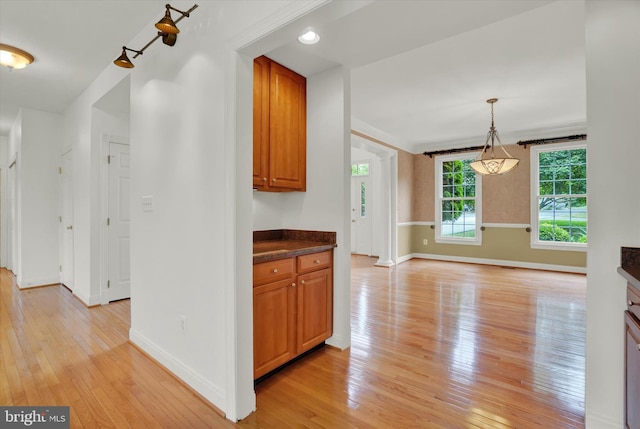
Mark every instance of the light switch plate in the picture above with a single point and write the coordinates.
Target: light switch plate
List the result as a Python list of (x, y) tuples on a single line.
[(147, 203)]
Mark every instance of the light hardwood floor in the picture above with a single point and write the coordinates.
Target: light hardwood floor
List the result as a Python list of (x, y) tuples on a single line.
[(434, 345)]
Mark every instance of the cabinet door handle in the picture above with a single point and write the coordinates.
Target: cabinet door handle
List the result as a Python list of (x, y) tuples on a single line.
[(264, 179), (317, 261), (275, 270), (302, 282), (293, 284), (273, 180), (631, 303)]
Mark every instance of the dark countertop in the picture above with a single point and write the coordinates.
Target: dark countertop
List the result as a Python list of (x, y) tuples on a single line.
[(285, 243), (630, 265)]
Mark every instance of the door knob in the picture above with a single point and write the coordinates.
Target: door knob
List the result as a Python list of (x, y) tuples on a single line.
[(70, 227), (353, 220)]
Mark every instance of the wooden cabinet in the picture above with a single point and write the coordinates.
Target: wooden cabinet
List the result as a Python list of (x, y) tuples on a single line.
[(292, 308), (279, 127), (632, 359)]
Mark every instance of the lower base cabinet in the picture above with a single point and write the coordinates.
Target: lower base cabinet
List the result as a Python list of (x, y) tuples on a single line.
[(632, 371), (292, 308)]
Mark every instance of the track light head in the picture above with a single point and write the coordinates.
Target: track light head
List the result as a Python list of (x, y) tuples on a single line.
[(168, 38), (123, 60), (166, 24)]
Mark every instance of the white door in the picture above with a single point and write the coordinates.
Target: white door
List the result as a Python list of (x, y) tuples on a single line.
[(361, 215), (66, 220), (119, 283), (11, 221)]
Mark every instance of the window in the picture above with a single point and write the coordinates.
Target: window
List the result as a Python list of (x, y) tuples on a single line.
[(458, 200), (559, 196), (360, 169)]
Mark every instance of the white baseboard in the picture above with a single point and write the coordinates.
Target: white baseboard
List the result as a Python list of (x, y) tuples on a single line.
[(600, 422), (89, 301), (212, 393), (500, 262), (338, 342), (29, 282)]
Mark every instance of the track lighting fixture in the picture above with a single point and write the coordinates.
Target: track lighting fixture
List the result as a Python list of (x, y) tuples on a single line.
[(168, 32)]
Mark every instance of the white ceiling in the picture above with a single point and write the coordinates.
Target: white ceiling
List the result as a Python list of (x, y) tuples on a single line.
[(421, 69)]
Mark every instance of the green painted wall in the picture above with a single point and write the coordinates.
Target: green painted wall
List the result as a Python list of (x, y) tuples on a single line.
[(507, 244)]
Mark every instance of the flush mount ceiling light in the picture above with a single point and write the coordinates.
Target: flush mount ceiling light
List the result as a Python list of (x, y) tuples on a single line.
[(493, 165), (168, 32), (309, 38), (14, 58)]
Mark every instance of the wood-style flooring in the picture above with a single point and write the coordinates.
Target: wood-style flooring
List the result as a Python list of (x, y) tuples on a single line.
[(434, 345)]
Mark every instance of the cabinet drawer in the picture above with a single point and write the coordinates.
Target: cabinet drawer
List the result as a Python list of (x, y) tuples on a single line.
[(633, 301), (315, 261), (267, 272)]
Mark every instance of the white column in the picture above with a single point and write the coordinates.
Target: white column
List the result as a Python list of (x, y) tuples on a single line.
[(384, 259)]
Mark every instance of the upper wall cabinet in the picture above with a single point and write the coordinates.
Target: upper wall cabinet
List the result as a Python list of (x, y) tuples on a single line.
[(279, 128)]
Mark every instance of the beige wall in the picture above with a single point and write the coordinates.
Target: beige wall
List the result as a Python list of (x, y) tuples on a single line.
[(505, 200), (406, 189)]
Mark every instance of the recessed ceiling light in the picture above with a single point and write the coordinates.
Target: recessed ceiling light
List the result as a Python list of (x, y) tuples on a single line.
[(309, 38), (13, 57)]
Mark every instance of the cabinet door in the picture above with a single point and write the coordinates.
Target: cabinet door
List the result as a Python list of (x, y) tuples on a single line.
[(287, 129), (315, 308), (632, 372), (274, 325), (260, 121)]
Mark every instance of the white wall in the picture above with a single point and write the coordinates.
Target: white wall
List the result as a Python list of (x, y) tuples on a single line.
[(191, 255), (4, 200), (267, 210), (35, 137), (613, 109), (325, 205)]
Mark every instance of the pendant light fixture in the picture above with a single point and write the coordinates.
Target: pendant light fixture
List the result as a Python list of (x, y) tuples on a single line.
[(493, 165), (14, 58)]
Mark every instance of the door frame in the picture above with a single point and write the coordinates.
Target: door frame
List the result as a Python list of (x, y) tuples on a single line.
[(61, 246), (365, 137), (106, 139), (12, 215), (368, 179)]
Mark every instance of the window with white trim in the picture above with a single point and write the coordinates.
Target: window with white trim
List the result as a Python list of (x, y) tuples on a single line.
[(559, 196), (458, 200)]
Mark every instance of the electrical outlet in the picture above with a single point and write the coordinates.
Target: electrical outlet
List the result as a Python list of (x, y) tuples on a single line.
[(425, 241), (183, 323)]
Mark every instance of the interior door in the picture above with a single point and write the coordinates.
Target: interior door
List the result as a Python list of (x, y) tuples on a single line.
[(11, 221), (119, 279), (361, 215), (66, 220)]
